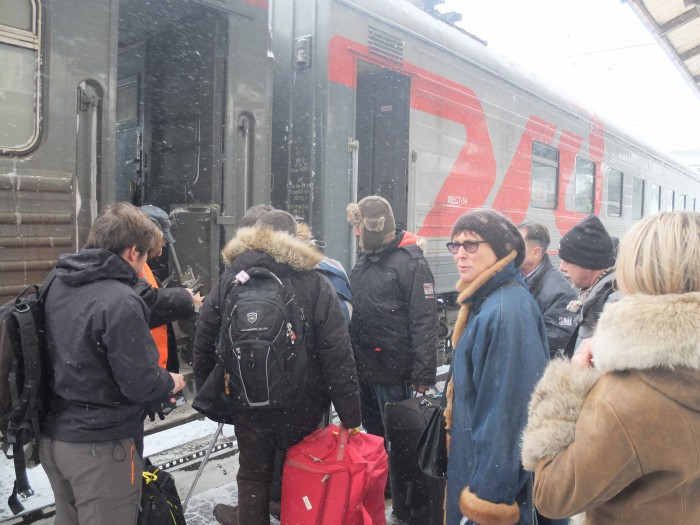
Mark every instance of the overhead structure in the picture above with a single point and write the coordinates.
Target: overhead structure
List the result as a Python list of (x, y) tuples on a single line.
[(676, 25)]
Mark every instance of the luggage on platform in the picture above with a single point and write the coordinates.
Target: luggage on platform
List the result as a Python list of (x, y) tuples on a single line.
[(417, 498), (332, 477), (160, 502)]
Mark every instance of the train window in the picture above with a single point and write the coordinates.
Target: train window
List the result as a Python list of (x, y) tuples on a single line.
[(545, 173), (695, 204), (19, 83), (637, 197), (614, 193), (670, 200), (655, 198), (683, 202), (583, 182)]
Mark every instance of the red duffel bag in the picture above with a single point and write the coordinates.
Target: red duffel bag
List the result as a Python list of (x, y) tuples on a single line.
[(331, 477)]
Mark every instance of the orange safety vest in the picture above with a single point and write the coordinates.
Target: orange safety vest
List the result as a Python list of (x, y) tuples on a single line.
[(160, 333)]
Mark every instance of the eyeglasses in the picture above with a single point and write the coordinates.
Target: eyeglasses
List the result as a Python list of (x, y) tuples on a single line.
[(469, 246)]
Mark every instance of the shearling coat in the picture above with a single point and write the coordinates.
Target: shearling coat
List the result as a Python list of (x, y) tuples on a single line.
[(622, 442)]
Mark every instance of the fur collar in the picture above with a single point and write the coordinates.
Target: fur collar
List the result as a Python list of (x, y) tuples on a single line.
[(281, 246), (640, 332)]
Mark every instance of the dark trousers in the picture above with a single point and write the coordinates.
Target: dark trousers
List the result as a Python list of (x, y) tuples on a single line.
[(93, 483), (374, 396), (257, 459)]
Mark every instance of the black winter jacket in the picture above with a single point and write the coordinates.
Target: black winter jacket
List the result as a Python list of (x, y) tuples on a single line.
[(332, 375), (104, 360), (553, 293), (394, 323), (166, 304)]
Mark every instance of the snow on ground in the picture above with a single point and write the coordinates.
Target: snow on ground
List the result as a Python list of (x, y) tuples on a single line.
[(155, 445), (216, 484)]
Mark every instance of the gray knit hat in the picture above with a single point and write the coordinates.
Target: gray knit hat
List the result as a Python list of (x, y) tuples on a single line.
[(501, 234), (375, 220)]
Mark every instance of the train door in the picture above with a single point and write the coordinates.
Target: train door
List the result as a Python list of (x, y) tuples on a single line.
[(170, 108), (170, 119), (131, 161), (382, 123)]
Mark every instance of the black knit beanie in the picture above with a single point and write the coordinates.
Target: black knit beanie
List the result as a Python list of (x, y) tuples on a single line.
[(501, 234), (588, 245)]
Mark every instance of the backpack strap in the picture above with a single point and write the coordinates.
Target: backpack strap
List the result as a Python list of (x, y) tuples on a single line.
[(26, 340), (21, 489), (27, 406)]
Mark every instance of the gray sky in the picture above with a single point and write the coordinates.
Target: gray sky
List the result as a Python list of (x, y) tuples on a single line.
[(600, 52)]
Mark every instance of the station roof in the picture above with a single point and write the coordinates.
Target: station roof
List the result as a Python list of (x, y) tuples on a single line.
[(676, 25)]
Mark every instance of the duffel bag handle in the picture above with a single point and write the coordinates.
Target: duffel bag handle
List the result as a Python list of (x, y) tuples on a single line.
[(343, 443)]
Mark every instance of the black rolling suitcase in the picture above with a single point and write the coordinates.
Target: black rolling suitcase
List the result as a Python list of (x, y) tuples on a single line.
[(417, 499)]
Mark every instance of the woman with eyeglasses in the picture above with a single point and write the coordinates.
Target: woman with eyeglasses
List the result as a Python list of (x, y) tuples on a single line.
[(501, 349), (617, 437)]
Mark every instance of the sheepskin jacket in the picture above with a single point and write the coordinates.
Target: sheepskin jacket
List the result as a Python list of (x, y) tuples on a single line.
[(621, 443)]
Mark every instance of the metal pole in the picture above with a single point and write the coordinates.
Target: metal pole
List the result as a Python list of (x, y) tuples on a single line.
[(201, 467)]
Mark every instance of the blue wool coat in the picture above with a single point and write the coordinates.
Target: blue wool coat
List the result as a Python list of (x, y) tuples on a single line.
[(497, 363)]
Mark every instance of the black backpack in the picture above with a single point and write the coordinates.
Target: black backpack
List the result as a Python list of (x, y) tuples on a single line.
[(160, 502), (261, 344), (24, 376)]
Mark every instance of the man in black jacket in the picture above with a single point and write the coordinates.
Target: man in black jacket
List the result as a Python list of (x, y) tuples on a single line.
[(394, 324), (104, 368), (273, 244), (548, 286)]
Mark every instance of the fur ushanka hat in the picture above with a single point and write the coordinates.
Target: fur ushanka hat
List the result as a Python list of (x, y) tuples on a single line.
[(374, 218)]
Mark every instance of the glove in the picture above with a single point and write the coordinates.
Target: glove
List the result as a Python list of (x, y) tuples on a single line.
[(153, 407)]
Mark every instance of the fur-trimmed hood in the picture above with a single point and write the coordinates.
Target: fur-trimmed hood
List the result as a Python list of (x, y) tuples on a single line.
[(281, 246), (641, 332)]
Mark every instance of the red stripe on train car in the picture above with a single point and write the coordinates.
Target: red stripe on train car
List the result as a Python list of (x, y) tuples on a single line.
[(475, 166), (259, 3)]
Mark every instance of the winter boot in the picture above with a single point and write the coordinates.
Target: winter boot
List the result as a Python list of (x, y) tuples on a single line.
[(226, 514)]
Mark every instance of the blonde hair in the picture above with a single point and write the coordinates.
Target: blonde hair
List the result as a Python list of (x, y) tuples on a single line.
[(661, 255)]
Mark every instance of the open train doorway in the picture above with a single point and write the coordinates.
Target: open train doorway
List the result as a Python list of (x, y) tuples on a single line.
[(170, 101), (381, 128), (170, 117)]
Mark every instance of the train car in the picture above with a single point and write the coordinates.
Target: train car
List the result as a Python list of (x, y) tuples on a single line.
[(384, 98), (165, 102), (205, 107)]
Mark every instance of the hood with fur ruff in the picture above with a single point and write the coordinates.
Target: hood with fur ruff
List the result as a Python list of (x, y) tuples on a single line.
[(641, 332), (281, 246)]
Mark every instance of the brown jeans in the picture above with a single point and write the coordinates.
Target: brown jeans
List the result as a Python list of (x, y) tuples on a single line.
[(93, 483)]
